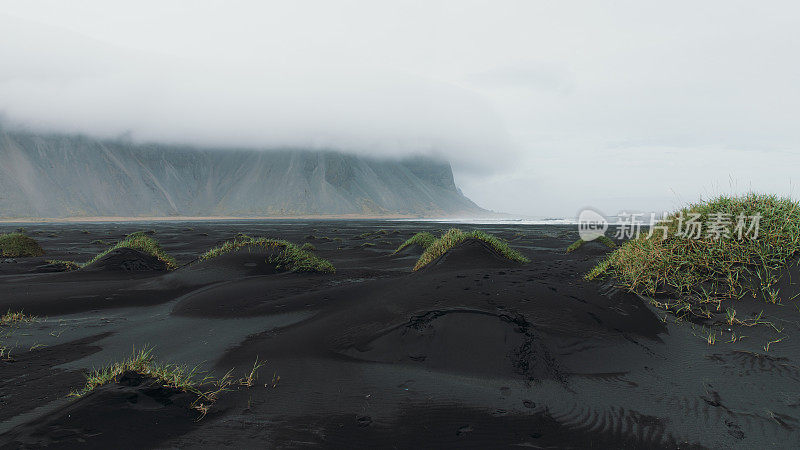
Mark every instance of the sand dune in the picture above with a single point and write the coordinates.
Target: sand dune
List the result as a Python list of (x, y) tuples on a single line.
[(472, 351)]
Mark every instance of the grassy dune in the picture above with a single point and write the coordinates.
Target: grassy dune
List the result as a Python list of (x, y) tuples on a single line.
[(605, 240), (137, 241), (286, 255), (142, 362), (68, 265), (423, 239), (15, 317), (706, 270), (454, 237), (180, 377), (17, 245)]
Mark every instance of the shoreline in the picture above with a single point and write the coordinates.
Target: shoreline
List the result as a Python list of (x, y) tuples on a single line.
[(99, 219), (398, 217)]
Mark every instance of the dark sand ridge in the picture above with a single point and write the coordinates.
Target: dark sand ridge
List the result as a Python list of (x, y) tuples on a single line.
[(471, 351)]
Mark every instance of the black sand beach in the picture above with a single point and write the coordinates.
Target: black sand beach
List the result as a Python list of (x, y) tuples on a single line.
[(472, 351)]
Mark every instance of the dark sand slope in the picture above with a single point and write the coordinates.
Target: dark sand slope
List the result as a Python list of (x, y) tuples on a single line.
[(471, 351), (142, 411)]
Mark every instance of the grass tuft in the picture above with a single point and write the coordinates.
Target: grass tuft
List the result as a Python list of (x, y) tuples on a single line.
[(68, 265), (250, 378), (377, 233), (285, 255), (17, 245), (173, 376), (708, 270), (454, 237), (142, 242), (11, 318), (143, 362), (423, 239), (605, 240)]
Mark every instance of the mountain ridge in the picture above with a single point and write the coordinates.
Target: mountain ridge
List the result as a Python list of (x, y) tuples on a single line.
[(63, 176)]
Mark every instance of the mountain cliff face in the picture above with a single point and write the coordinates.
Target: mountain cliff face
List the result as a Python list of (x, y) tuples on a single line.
[(77, 176)]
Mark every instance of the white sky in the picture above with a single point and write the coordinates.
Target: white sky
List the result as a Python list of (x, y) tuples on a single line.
[(541, 107)]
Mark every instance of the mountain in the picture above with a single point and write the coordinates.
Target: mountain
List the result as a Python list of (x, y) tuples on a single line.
[(59, 176)]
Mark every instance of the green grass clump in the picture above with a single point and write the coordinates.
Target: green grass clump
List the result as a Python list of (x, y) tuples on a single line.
[(708, 270), (423, 239), (69, 265), (17, 245), (285, 255), (11, 318), (308, 246), (142, 242), (367, 234), (605, 240), (180, 377), (143, 362), (454, 237), (575, 245), (292, 258)]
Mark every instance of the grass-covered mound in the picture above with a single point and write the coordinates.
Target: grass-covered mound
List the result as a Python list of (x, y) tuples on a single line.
[(171, 376), (705, 270), (453, 237), (17, 245), (65, 265), (16, 317), (377, 233), (142, 362), (423, 239), (283, 254), (142, 242), (605, 240)]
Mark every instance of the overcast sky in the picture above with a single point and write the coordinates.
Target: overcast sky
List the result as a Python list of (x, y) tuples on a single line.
[(541, 107)]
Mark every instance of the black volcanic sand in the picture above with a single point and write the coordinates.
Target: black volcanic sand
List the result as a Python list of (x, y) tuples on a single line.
[(471, 351)]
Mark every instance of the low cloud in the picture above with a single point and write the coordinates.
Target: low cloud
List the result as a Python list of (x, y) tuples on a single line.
[(541, 107), (64, 82)]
